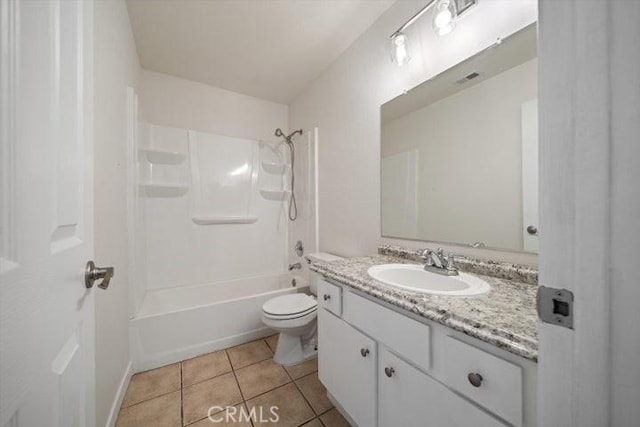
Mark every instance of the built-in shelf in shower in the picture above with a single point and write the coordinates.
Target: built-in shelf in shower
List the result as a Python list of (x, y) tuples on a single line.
[(211, 220), (275, 168), (162, 157), (274, 194), (163, 189)]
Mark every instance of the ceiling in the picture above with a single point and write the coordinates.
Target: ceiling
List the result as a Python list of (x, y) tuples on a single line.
[(270, 49)]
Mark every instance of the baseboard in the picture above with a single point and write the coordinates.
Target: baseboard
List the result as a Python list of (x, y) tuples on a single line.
[(117, 402), (152, 361), (340, 409)]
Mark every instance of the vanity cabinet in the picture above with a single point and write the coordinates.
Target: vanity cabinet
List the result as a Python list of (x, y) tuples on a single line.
[(386, 368)]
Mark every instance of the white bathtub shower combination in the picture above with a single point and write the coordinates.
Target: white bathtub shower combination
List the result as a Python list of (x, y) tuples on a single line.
[(200, 287), (175, 324)]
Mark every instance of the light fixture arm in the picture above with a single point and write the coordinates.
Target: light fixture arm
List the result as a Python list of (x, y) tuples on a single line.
[(462, 7), (413, 19)]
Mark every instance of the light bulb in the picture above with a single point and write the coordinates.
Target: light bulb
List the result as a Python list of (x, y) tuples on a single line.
[(399, 49), (444, 17)]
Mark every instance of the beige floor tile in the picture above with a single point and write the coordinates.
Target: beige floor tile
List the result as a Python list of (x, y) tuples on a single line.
[(239, 417), (249, 353), (334, 418), (287, 402), (261, 377), (221, 391), (272, 342), (154, 383), (204, 367), (313, 423), (315, 393), (163, 411), (302, 369)]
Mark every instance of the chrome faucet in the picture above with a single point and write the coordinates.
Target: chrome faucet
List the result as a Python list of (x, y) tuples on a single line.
[(296, 266), (436, 262)]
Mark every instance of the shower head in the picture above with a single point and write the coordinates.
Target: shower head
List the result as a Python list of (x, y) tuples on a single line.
[(287, 138)]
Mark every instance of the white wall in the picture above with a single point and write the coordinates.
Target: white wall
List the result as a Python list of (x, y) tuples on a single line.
[(116, 67), (469, 145), (344, 102), (180, 252)]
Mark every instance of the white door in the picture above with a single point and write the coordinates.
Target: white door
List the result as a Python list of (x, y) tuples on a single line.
[(47, 313)]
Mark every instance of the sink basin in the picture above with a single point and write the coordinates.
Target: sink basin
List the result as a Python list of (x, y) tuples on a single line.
[(414, 278)]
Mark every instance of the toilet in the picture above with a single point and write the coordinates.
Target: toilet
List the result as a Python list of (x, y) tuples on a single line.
[(294, 317)]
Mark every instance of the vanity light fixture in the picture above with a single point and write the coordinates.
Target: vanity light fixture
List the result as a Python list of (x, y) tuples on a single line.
[(445, 15), (399, 49)]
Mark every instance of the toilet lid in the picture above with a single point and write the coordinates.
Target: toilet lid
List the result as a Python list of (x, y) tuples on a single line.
[(288, 305)]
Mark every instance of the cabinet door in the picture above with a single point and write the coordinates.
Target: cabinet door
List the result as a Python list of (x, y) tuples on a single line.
[(347, 367), (408, 397)]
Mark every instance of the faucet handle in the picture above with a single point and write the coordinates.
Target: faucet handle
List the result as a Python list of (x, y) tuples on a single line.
[(450, 262)]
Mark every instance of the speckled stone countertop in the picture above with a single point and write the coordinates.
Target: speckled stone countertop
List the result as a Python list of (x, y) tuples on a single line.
[(505, 316)]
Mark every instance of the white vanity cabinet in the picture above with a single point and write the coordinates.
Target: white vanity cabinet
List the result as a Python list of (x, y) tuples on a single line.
[(386, 368)]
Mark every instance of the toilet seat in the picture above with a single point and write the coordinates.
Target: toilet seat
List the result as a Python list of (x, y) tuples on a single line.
[(289, 307)]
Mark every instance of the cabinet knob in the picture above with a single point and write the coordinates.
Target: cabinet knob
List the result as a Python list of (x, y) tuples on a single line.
[(533, 230), (326, 297), (388, 371), (364, 352), (475, 379)]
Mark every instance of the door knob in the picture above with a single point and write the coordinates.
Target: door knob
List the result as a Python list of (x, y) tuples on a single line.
[(533, 230), (93, 273)]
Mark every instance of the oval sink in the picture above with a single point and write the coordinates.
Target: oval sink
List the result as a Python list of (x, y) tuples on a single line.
[(414, 278)]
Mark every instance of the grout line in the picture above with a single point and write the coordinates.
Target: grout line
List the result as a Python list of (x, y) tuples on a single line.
[(147, 400), (306, 400)]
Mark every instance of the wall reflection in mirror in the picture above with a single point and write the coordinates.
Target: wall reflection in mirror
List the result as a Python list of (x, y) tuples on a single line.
[(460, 152)]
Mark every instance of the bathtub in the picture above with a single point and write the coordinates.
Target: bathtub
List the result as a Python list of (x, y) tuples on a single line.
[(179, 323)]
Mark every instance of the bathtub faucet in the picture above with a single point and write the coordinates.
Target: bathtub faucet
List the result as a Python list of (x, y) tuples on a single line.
[(296, 266)]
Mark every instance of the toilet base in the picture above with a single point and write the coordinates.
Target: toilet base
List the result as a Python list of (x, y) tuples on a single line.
[(294, 349)]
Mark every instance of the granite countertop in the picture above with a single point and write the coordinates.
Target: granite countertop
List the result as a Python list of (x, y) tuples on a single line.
[(505, 316)]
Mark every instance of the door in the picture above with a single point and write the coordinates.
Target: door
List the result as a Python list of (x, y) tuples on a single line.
[(47, 313), (408, 397), (346, 367)]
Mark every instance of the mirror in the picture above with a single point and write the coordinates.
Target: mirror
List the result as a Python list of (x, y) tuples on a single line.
[(460, 152)]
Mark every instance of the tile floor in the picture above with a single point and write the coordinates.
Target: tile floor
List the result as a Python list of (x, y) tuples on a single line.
[(243, 379)]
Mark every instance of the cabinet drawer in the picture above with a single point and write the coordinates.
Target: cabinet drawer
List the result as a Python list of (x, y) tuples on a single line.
[(498, 383), (405, 336), (330, 297)]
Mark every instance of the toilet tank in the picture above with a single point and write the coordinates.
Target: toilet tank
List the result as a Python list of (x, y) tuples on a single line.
[(319, 257)]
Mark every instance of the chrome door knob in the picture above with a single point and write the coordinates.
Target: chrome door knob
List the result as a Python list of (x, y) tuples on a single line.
[(93, 274), (364, 352), (326, 297), (475, 379), (533, 230), (388, 371)]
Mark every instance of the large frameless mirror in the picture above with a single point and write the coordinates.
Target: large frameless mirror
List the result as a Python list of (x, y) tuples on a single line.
[(460, 152)]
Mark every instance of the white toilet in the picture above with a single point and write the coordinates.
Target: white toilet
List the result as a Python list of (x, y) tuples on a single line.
[(294, 317)]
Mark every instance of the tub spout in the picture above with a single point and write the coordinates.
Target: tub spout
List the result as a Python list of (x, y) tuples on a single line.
[(296, 266)]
